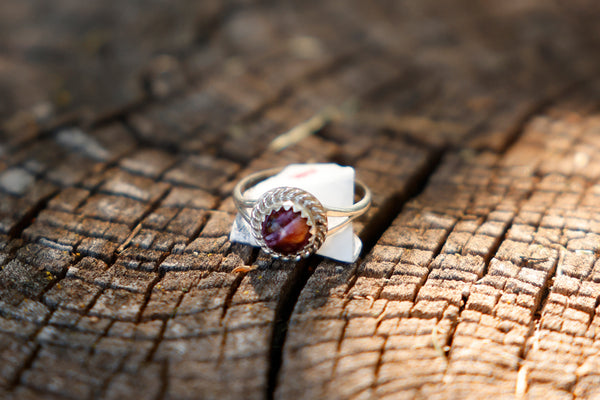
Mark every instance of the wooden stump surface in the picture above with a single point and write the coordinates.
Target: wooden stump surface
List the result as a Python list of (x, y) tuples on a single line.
[(125, 126)]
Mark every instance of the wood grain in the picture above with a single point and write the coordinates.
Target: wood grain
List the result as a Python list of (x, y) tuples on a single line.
[(125, 127)]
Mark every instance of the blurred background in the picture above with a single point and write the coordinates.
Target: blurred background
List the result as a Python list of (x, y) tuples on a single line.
[(94, 59)]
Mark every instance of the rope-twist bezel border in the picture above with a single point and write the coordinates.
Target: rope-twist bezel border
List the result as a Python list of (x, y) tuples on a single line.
[(273, 200)]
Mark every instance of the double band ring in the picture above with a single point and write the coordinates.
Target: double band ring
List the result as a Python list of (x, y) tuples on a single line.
[(290, 223)]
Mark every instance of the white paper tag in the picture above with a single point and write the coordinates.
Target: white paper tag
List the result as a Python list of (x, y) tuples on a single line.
[(332, 185)]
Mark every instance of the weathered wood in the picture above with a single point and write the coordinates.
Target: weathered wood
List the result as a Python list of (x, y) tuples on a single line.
[(474, 123)]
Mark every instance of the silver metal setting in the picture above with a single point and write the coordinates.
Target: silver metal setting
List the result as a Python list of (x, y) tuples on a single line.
[(300, 201)]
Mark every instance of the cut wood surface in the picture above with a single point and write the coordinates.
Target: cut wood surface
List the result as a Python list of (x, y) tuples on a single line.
[(125, 126)]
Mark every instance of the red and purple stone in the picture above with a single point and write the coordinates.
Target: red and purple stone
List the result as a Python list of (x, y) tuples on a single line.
[(286, 231)]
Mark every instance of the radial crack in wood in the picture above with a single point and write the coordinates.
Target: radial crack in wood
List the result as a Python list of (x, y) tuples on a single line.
[(124, 127)]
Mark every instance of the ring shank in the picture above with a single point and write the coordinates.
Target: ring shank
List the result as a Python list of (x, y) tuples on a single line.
[(351, 213)]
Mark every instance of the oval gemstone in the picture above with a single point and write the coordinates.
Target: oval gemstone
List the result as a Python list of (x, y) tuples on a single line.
[(286, 231)]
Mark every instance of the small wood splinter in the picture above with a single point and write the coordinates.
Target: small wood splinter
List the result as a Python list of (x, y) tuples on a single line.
[(521, 385), (134, 232), (245, 268), (442, 351)]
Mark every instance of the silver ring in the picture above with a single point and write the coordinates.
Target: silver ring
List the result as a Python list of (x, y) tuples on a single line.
[(290, 223)]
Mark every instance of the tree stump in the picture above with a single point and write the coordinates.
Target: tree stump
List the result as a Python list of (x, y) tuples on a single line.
[(125, 127)]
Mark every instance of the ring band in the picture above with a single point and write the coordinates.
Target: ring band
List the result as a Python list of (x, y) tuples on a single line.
[(290, 223)]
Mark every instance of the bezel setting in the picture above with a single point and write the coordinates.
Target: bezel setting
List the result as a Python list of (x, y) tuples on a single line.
[(300, 201)]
